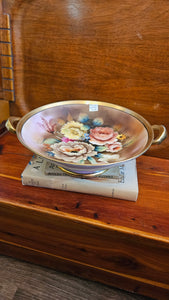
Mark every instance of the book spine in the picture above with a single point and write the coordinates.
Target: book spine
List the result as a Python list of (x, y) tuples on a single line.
[(81, 186)]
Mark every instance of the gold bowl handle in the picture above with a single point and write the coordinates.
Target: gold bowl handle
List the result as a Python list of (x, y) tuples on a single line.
[(11, 124), (162, 134)]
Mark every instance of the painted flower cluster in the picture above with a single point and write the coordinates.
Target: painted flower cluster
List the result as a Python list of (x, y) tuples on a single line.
[(81, 141)]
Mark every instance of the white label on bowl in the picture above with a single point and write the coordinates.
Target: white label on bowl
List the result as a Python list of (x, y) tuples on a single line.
[(93, 107)]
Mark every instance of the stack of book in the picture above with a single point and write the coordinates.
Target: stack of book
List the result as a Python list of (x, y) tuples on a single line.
[(118, 182)]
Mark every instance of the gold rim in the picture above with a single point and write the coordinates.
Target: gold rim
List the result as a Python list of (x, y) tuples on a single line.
[(35, 111)]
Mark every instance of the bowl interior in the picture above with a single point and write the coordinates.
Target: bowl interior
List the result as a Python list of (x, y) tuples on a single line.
[(85, 133)]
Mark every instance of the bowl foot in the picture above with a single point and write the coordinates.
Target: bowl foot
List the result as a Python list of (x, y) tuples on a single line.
[(80, 175)]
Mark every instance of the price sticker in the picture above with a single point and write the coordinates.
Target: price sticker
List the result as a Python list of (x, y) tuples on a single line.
[(93, 107)]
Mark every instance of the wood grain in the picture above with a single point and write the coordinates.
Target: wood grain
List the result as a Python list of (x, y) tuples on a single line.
[(113, 241), (112, 51), (24, 281), (6, 67), (152, 204)]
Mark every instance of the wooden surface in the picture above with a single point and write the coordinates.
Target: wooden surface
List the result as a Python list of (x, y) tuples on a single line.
[(152, 204), (117, 242), (112, 51), (25, 281)]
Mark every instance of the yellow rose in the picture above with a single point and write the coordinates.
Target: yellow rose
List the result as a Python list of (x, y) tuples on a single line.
[(73, 130)]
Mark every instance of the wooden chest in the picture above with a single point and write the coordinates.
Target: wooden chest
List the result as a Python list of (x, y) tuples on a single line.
[(113, 51)]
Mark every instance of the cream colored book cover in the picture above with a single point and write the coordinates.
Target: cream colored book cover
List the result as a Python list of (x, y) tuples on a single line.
[(118, 182)]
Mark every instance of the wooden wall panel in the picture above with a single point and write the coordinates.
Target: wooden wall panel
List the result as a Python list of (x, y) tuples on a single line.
[(113, 51), (6, 57), (1, 94)]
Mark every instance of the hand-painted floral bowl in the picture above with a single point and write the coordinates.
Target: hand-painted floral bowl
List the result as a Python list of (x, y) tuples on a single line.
[(85, 138)]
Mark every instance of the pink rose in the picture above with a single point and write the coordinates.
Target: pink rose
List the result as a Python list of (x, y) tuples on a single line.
[(115, 147), (102, 136)]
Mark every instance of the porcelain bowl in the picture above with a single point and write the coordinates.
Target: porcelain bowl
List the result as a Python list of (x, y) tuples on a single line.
[(83, 137)]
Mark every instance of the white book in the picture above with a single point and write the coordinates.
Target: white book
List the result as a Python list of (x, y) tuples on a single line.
[(118, 182)]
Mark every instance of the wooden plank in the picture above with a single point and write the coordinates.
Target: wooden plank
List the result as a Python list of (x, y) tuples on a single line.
[(8, 84), (35, 282), (6, 61), (7, 78), (89, 273), (7, 73), (4, 109), (90, 242), (151, 206)]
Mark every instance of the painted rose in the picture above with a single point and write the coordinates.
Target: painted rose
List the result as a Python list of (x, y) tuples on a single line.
[(102, 135), (115, 147), (73, 151), (74, 130), (108, 158)]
